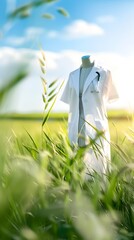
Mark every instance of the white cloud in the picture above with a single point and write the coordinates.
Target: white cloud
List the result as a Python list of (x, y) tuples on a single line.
[(27, 95), (106, 19), (12, 61), (78, 29), (31, 33)]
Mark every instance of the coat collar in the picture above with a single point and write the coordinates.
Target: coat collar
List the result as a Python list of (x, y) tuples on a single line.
[(89, 79)]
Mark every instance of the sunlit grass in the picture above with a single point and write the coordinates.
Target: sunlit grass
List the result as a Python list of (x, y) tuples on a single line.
[(43, 191)]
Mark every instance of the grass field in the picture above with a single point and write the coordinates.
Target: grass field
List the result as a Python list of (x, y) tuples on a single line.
[(119, 124), (120, 127), (119, 113), (43, 194)]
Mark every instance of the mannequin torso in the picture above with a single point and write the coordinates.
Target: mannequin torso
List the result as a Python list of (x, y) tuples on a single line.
[(85, 69), (86, 62)]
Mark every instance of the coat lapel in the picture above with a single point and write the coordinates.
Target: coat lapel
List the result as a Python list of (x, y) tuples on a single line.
[(89, 79), (76, 80)]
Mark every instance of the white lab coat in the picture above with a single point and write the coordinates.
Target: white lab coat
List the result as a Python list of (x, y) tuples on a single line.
[(95, 96)]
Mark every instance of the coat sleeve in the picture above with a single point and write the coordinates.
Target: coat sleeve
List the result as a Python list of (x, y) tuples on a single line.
[(66, 92), (112, 93)]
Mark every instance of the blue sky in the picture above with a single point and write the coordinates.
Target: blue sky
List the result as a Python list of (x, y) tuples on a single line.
[(102, 28), (114, 17)]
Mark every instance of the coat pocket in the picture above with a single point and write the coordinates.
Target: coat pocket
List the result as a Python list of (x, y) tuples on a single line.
[(95, 86)]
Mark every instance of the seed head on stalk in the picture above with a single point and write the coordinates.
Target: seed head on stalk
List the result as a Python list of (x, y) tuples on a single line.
[(49, 91)]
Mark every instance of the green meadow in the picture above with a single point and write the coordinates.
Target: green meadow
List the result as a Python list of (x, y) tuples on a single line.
[(120, 124), (16, 126), (43, 192)]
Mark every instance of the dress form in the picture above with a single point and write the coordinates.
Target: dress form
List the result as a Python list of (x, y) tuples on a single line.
[(85, 69), (87, 62)]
